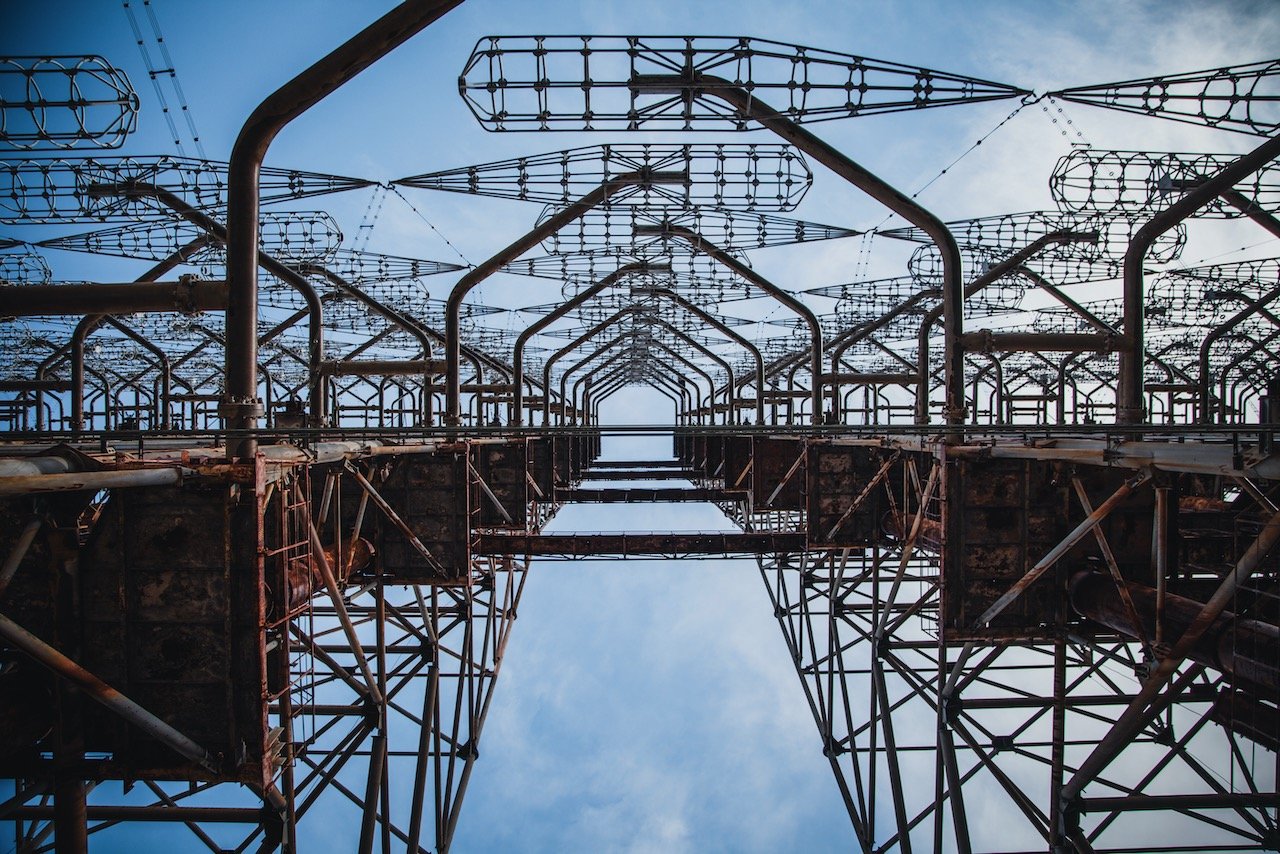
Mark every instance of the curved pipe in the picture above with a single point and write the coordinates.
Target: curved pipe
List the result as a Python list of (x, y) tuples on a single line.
[(589, 380), (700, 244), (724, 328), (1248, 354), (219, 233), (730, 396), (691, 342), (657, 382), (517, 353), (1130, 398), (564, 376), (570, 347), (749, 107), (1008, 265), (690, 400), (78, 339), (659, 387), (865, 330), (473, 277), (697, 369), (1252, 307), (241, 407), (403, 321)]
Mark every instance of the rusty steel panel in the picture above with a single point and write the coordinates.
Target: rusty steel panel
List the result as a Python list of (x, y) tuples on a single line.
[(583, 449), (687, 447), (1007, 515), (560, 460), (502, 466), (838, 476), (709, 456), (737, 458), (1128, 528), (541, 466), (778, 473), (33, 598), (431, 493), (171, 597), (636, 495)]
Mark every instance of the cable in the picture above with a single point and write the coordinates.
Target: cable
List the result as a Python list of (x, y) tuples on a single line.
[(962, 156), (421, 216), (170, 71)]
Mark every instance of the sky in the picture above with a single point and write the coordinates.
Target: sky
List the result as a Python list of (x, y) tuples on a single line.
[(649, 706)]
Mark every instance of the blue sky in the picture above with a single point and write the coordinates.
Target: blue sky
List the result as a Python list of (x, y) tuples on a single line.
[(651, 706)]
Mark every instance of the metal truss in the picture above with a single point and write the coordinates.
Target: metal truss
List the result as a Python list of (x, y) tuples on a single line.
[(1020, 538), (729, 176), (615, 230), (293, 235), (1143, 182)]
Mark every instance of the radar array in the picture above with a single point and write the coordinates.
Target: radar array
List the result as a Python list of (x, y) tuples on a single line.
[(1013, 503)]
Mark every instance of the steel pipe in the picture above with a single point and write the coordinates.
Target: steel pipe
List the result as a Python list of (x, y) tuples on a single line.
[(250, 149), (1130, 401), (552, 224)]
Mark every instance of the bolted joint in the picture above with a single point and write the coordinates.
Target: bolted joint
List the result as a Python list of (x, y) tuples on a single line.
[(232, 408), (184, 294), (1130, 414)]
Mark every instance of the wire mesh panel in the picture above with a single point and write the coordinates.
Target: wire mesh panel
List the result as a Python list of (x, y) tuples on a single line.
[(1143, 182), (1208, 295), (625, 228), (71, 190), (594, 82), (733, 176), (64, 102), (24, 267), (985, 241), (287, 235), (1242, 98)]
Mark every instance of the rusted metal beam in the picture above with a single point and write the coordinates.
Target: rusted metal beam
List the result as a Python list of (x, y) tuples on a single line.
[(963, 292), (1149, 701), (1247, 649), (91, 480), (321, 562), (636, 474), (986, 341), (868, 378), (17, 553), (380, 367), (552, 224), (185, 296), (1130, 407), (1206, 801), (700, 244), (750, 107), (34, 385), (623, 545), (113, 813), (635, 495)]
